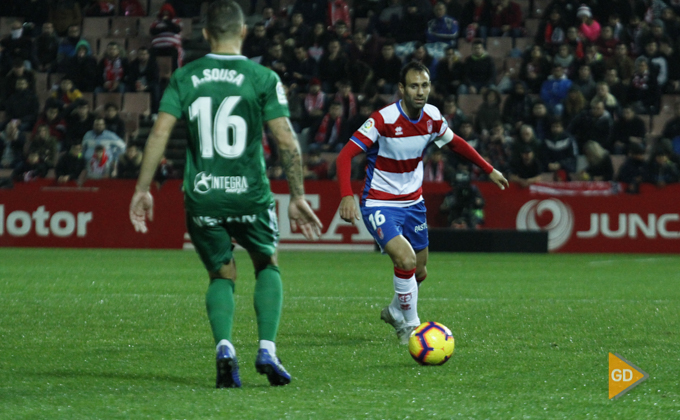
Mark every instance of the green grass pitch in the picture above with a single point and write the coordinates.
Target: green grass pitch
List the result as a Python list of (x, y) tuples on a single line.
[(112, 334)]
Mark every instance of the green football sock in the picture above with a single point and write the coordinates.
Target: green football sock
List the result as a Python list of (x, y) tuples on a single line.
[(219, 301), (268, 302)]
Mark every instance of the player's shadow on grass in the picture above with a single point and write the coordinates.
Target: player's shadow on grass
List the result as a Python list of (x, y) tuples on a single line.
[(123, 376)]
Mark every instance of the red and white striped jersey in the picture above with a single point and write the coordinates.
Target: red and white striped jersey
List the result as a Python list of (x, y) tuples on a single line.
[(394, 145)]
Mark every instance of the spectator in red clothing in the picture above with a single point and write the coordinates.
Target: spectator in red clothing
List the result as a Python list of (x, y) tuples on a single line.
[(436, 168), (347, 99), (506, 19), (575, 42), (535, 69), (476, 19), (315, 103), (131, 8), (167, 40), (338, 10), (328, 135), (606, 43), (113, 70), (589, 28), (552, 32), (50, 117), (315, 166), (361, 49), (99, 8)]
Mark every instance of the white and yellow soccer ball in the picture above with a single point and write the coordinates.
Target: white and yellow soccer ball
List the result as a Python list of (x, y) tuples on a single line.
[(431, 344)]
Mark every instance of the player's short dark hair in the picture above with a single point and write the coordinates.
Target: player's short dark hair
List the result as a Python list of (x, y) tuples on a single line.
[(111, 105), (225, 19), (415, 66), (477, 42)]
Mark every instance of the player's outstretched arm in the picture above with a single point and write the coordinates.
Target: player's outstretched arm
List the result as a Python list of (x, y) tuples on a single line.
[(141, 205), (299, 212)]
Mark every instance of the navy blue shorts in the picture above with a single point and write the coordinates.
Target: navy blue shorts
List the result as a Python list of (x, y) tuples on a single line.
[(384, 223)]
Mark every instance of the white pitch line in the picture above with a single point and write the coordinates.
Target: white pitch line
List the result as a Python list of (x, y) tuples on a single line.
[(638, 260)]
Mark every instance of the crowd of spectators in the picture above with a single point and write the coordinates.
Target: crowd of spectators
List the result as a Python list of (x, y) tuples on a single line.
[(56, 130), (583, 84)]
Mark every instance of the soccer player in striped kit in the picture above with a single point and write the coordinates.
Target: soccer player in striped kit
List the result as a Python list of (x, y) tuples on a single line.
[(392, 207)]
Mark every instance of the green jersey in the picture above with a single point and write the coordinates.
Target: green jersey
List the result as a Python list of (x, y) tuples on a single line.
[(225, 99)]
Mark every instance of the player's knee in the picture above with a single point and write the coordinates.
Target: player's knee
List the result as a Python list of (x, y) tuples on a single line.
[(227, 271), (261, 261), (405, 261)]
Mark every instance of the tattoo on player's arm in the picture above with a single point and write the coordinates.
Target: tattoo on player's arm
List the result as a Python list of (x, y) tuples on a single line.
[(292, 166)]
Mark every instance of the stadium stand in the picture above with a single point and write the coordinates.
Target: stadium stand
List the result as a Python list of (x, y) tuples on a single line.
[(124, 27), (137, 102), (96, 27)]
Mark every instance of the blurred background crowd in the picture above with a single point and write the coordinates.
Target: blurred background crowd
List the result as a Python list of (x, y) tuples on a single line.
[(545, 90)]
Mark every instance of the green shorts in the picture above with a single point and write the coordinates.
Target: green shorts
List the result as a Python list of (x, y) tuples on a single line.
[(212, 236)]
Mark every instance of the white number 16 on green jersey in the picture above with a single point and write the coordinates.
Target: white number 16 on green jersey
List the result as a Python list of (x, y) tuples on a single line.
[(226, 135)]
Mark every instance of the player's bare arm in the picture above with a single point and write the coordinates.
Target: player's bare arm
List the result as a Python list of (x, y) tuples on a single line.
[(460, 146), (299, 212), (141, 205)]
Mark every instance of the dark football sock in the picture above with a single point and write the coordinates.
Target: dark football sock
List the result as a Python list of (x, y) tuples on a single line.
[(268, 302), (219, 301)]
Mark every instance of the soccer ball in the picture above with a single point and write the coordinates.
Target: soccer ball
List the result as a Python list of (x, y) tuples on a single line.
[(431, 344)]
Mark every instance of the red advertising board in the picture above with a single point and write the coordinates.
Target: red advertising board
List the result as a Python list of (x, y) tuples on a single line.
[(578, 218), (591, 220)]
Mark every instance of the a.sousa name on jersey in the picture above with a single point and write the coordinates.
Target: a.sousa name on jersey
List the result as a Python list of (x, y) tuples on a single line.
[(203, 183), (219, 75)]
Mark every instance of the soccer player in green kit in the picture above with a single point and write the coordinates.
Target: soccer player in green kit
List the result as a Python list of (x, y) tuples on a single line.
[(225, 98)]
